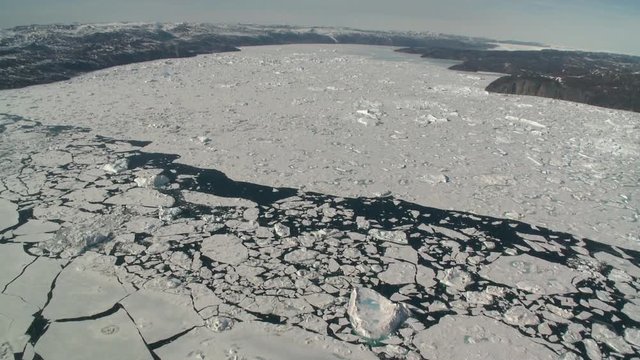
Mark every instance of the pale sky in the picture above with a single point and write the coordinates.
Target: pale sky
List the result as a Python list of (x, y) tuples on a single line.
[(606, 25)]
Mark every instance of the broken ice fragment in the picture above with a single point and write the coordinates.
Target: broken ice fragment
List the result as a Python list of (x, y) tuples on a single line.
[(204, 139), (632, 336), (362, 223), (435, 179), (373, 316), (614, 341), (456, 278), (117, 166), (8, 214), (281, 230), (521, 316), (153, 181), (399, 273), (398, 237), (168, 214), (219, 323), (224, 248), (74, 240)]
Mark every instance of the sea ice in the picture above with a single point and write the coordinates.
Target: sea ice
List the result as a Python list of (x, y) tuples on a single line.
[(168, 214), (478, 338), (110, 337), (15, 318), (34, 284), (632, 336), (281, 230), (13, 260), (532, 274), (373, 316), (36, 227), (399, 273), (456, 278), (160, 315), (603, 334), (75, 239), (87, 286), (227, 249), (117, 166), (521, 316), (8, 214), (152, 181), (398, 237), (258, 340), (142, 197)]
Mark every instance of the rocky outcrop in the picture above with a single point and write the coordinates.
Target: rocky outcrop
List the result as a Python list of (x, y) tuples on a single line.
[(601, 79), (617, 93)]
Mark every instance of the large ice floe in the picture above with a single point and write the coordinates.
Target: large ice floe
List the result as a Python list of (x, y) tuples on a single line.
[(165, 256)]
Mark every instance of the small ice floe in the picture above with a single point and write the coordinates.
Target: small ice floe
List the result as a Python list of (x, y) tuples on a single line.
[(117, 166), (614, 341), (430, 119), (373, 316), (456, 279), (282, 230), (153, 181), (369, 113), (398, 237), (204, 139), (219, 323), (168, 213), (434, 179)]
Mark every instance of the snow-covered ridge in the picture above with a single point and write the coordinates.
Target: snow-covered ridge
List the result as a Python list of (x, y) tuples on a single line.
[(39, 54)]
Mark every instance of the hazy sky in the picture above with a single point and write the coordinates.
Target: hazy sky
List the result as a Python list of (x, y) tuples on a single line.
[(610, 25)]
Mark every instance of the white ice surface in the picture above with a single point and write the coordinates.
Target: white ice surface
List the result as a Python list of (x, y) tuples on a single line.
[(280, 115), (87, 286), (111, 337), (532, 274), (8, 214), (477, 338), (160, 315), (254, 341), (14, 259), (15, 319)]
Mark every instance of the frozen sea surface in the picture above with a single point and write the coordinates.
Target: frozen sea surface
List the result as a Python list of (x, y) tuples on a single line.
[(506, 223)]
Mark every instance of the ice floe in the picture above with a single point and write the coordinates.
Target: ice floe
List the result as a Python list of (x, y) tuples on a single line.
[(373, 316)]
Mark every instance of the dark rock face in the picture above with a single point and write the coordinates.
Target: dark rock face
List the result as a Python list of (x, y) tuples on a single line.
[(39, 54), (601, 79), (622, 94)]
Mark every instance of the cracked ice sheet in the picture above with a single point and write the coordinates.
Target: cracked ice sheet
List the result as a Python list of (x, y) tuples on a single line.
[(15, 318), (108, 338), (253, 340), (8, 214), (528, 273), (34, 284), (224, 248), (36, 227), (161, 315), (13, 259), (477, 338), (87, 286), (143, 197)]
